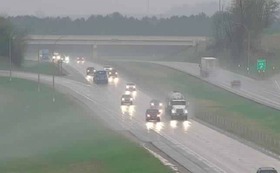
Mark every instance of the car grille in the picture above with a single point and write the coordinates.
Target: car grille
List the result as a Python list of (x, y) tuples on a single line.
[(180, 111)]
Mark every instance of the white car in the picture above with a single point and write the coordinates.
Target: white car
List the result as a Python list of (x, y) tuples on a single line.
[(107, 68), (80, 60), (130, 88)]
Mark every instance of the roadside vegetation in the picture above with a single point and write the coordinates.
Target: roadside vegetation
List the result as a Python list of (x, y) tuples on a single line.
[(11, 42), (242, 117), (37, 135), (30, 66)]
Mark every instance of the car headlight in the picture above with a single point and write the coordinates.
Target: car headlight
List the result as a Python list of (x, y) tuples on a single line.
[(116, 73), (122, 99), (110, 73), (152, 104), (173, 111), (186, 111), (134, 87), (148, 115), (127, 87), (160, 104), (130, 99)]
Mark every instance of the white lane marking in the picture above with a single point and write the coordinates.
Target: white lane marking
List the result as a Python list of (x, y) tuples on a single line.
[(277, 84), (162, 159)]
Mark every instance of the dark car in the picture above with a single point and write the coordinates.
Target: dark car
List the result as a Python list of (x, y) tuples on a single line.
[(235, 84), (90, 71), (113, 73), (127, 100), (152, 115), (266, 170), (100, 77)]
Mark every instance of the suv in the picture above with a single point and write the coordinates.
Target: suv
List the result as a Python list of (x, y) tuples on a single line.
[(126, 100), (266, 170), (152, 115)]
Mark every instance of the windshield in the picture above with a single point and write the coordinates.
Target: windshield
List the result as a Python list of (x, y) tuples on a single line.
[(178, 103), (152, 111), (78, 79)]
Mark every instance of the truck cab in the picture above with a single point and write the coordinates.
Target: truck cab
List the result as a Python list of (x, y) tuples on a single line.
[(176, 106)]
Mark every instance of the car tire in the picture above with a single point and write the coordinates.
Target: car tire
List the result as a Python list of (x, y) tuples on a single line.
[(158, 119)]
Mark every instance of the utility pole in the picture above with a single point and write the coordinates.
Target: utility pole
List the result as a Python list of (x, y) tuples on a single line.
[(148, 7), (38, 66), (10, 55)]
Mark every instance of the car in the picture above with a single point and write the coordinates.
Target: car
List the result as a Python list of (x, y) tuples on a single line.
[(113, 75), (266, 170), (156, 104), (90, 70), (107, 68), (126, 100), (80, 60), (130, 88), (152, 114), (100, 77), (235, 84)]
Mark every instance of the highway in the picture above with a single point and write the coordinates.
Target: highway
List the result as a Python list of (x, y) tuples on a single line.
[(195, 146), (264, 92), (197, 143)]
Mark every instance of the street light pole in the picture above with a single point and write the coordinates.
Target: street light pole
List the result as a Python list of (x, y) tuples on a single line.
[(53, 86), (38, 66)]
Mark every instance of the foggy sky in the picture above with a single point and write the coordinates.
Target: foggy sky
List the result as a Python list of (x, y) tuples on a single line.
[(86, 7)]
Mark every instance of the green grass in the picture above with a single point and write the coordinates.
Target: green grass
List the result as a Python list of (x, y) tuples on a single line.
[(46, 68), (38, 136), (210, 101)]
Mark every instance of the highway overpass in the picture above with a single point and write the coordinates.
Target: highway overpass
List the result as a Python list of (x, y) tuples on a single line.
[(112, 40)]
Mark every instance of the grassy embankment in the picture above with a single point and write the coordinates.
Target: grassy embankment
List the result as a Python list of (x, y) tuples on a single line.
[(37, 135), (46, 68)]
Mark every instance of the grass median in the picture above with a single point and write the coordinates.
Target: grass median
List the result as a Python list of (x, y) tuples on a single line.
[(37, 135), (245, 118), (30, 66)]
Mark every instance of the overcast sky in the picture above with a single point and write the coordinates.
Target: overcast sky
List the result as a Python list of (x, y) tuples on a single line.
[(86, 7)]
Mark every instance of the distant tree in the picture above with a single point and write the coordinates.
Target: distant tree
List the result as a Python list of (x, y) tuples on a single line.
[(246, 17), (10, 35), (116, 24)]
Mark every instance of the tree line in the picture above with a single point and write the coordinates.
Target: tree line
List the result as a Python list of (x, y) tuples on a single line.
[(116, 24), (11, 42), (239, 29)]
